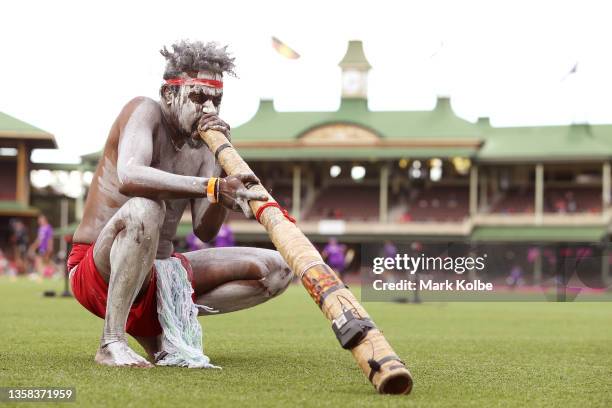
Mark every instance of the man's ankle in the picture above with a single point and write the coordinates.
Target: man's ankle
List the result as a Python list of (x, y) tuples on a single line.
[(106, 340)]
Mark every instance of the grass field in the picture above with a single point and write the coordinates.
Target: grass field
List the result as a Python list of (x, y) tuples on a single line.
[(283, 353)]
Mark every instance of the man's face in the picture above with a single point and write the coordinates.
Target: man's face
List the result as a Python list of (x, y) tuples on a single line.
[(194, 100)]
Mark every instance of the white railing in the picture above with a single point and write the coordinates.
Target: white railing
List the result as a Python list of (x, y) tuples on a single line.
[(429, 228)]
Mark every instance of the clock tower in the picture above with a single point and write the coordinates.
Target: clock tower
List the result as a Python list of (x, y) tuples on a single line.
[(355, 68)]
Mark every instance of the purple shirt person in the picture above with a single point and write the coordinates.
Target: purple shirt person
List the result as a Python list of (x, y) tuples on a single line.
[(194, 243), (516, 276), (45, 235), (334, 254), (42, 248), (225, 237), (389, 250)]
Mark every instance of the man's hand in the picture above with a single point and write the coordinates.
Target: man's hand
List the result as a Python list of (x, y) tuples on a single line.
[(234, 195), (210, 121)]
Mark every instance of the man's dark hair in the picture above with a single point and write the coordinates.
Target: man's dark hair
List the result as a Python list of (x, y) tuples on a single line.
[(197, 56)]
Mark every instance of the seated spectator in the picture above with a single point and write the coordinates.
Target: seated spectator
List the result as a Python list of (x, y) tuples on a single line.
[(572, 206), (406, 218), (560, 206)]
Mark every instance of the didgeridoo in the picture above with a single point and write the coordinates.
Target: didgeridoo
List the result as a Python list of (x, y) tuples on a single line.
[(351, 323)]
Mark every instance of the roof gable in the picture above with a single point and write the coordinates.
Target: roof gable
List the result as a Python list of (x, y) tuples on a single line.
[(13, 128), (440, 123)]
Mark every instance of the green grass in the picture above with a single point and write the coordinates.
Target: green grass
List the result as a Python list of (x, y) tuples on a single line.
[(283, 353)]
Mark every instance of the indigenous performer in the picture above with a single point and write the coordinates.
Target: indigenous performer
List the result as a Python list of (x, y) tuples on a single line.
[(154, 165)]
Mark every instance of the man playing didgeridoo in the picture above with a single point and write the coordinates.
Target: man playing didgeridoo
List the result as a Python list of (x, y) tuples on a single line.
[(154, 165)]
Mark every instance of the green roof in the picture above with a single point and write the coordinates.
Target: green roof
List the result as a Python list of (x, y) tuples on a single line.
[(15, 129), (91, 158), (56, 166), (67, 230), (9, 208), (539, 233), (349, 153), (546, 143), (441, 123), (274, 135)]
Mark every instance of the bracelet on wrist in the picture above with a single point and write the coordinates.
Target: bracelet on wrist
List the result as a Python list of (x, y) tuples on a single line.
[(211, 190), (217, 189)]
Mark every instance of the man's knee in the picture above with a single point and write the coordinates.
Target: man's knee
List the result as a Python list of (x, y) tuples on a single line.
[(144, 216), (276, 274)]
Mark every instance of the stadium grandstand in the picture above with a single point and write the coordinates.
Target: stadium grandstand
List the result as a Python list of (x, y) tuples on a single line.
[(367, 176), (17, 140)]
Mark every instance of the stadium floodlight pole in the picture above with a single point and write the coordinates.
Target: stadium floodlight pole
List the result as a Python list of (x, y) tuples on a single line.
[(350, 322)]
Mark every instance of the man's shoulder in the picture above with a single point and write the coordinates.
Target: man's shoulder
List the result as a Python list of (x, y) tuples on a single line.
[(142, 112), (141, 105), (144, 102)]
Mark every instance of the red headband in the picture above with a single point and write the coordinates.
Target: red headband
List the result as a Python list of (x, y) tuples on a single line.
[(195, 81)]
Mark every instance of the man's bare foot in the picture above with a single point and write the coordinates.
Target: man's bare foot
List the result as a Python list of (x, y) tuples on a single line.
[(119, 354)]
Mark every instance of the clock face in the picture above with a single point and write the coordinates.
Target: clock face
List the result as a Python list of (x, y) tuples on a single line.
[(352, 82)]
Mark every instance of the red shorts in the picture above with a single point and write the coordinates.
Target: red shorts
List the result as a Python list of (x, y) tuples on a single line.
[(91, 291)]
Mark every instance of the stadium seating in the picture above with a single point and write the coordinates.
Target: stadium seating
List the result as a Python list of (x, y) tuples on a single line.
[(572, 200), (556, 200), (515, 201), (357, 203), (434, 203)]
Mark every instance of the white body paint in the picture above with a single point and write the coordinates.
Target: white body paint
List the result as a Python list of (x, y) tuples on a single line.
[(146, 156), (130, 232), (187, 111)]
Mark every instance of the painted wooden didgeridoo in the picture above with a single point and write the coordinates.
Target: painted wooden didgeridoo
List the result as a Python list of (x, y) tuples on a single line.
[(373, 353)]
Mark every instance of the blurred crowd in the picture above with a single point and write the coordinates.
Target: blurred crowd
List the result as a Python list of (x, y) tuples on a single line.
[(34, 257), (32, 254)]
